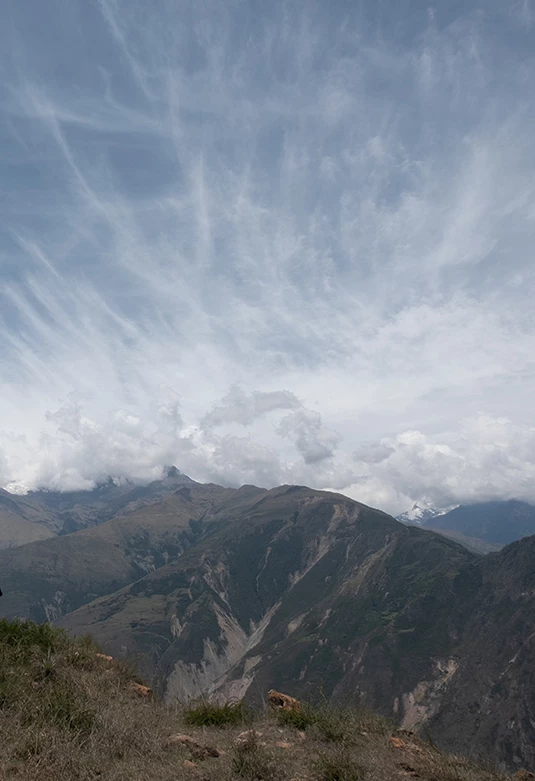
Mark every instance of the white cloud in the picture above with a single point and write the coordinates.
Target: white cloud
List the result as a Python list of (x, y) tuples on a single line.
[(313, 440), (254, 244), (240, 407), (485, 459)]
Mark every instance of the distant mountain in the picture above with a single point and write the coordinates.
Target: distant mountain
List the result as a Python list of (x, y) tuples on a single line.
[(229, 592), (481, 547), (495, 522), (42, 514), (17, 530), (424, 515), (44, 580)]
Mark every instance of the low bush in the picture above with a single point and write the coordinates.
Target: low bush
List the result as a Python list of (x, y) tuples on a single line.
[(212, 714)]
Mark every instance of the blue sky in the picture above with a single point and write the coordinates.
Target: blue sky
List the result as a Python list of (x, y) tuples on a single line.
[(269, 242)]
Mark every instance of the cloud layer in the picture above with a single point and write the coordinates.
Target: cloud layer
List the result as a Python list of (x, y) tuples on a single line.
[(269, 243)]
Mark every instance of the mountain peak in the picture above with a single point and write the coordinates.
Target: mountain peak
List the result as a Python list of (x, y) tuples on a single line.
[(422, 512)]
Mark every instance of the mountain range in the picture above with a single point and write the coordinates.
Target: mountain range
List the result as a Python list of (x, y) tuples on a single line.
[(229, 592), (498, 523)]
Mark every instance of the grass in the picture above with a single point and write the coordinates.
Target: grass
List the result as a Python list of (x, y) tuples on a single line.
[(332, 725), (340, 766), (252, 762), (211, 714), (32, 683), (67, 714), (301, 719)]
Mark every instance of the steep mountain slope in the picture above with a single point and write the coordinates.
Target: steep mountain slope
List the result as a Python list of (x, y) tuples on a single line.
[(496, 522), (290, 592), (449, 651), (43, 514), (490, 701), (44, 580)]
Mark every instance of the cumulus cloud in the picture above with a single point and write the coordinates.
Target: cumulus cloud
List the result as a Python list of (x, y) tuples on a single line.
[(256, 242), (485, 459), (313, 440), (241, 407)]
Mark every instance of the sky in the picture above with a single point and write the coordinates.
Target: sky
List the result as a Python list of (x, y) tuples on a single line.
[(284, 242)]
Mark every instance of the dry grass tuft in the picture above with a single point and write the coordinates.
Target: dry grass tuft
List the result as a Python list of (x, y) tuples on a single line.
[(337, 766), (252, 761), (212, 714)]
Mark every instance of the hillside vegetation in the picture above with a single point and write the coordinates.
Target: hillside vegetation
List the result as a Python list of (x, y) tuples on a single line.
[(67, 712)]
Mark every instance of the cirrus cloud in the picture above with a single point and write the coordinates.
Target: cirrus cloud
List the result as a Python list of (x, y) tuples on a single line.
[(255, 241)]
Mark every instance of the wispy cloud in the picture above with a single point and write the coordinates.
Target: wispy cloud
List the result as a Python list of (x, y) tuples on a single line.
[(253, 241)]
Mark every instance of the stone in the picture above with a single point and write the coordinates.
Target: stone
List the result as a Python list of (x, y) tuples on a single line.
[(282, 701), (196, 750), (248, 734), (407, 770), (404, 745), (142, 691)]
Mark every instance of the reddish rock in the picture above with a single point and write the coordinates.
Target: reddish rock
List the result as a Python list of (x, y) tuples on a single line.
[(142, 691), (282, 701), (197, 751)]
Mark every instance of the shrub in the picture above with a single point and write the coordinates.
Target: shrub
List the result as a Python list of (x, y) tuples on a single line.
[(211, 714), (19, 638), (331, 725), (301, 718)]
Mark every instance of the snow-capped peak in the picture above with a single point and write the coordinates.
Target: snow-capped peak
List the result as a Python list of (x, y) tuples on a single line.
[(421, 512)]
